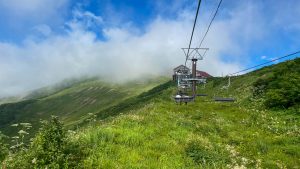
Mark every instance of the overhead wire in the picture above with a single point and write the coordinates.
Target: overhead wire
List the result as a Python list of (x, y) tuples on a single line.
[(191, 39), (212, 16), (273, 60), (261, 64), (208, 28)]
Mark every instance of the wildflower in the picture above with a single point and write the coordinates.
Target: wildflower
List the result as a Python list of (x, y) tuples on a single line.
[(21, 132), (15, 137), (26, 125), (244, 160), (33, 161)]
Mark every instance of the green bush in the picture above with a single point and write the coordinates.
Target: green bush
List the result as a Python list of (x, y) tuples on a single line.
[(282, 88), (51, 148), (50, 143), (3, 147)]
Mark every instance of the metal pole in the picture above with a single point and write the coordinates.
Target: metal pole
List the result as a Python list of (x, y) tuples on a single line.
[(194, 76)]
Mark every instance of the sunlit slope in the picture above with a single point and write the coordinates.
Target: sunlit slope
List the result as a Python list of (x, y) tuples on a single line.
[(280, 81), (73, 103), (150, 130), (203, 134)]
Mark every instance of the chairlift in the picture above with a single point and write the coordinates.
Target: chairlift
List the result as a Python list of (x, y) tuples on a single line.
[(182, 95), (184, 85), (187, 81), (225, 99), (183, 98), (203, 87)]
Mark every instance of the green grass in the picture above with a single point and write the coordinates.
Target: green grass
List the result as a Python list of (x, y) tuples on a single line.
[(203, 134), (71, 104), (150, 130)]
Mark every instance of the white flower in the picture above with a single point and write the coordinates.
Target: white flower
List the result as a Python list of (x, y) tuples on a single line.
[(22, 132), (33, 161), (15, 137)]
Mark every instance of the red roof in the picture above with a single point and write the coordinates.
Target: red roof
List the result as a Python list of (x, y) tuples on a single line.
[(202, 74)]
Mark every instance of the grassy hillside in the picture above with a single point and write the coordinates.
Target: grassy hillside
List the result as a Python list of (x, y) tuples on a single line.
[(152, 131), (10, 100), (71, 103), (44, 91)]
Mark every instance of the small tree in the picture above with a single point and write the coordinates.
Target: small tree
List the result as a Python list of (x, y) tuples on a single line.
[(49, 144)]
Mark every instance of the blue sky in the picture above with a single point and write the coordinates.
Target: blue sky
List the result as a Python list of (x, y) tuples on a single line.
[(43, 42)]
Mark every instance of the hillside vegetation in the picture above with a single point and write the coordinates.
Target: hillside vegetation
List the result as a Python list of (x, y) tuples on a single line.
[(151, 131), (71, 103)]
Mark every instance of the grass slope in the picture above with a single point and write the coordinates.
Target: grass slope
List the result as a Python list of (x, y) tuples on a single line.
[(71, 104), (203, 134), (152, 131)]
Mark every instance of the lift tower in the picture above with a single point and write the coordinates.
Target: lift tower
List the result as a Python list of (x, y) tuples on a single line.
[(194, 55), (194, 68)]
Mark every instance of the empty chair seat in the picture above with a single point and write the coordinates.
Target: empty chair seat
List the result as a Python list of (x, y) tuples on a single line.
[(183, 98)]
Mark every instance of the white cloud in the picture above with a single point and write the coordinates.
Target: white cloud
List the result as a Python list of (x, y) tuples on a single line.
[(86, 18), (263, 57), (43, 29), (125, 54)]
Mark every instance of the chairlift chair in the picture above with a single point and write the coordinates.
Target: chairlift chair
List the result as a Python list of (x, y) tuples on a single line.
[(185, 81), (225, 99), (183, 98)]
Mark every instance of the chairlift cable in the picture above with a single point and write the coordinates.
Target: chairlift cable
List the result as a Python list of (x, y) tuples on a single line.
[(229, 82), (191, 39), (213, 16), (273, 60), (208, 28)]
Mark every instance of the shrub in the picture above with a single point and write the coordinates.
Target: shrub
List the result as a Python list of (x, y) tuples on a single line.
[(51, 148), (282, 88), (3, 147), (49, 144)]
